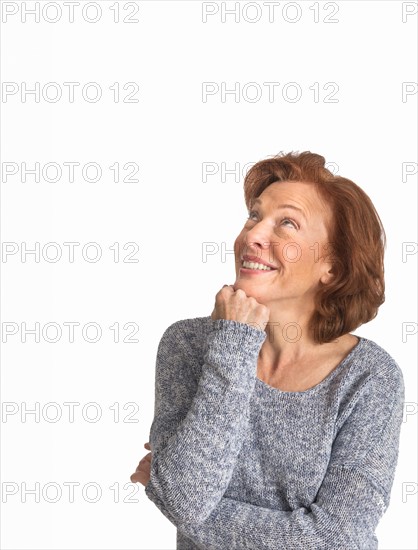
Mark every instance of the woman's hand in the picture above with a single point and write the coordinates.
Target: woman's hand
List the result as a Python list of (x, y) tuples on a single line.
[(237, 306), (143, 471)]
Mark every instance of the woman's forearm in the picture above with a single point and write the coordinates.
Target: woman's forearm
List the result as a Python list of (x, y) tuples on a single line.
[(192, 467)]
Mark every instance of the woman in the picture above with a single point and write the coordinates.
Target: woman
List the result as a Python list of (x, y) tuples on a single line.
[(274, 427)]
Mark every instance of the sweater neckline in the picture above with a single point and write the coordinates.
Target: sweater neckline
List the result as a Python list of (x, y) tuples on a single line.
[(264, 387)]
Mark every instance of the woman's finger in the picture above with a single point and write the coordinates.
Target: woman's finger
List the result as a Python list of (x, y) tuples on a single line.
[(145, 460), (140, 477)]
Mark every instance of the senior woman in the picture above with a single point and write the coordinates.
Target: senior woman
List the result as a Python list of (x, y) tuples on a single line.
[(274, 427)]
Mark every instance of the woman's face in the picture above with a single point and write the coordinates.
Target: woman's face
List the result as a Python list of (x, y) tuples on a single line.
[(286, 228)]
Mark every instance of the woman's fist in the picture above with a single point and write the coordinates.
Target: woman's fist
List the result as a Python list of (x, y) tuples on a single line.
[(235, 305)]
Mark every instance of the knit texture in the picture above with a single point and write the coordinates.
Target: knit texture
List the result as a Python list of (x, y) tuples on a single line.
[(238, 464)]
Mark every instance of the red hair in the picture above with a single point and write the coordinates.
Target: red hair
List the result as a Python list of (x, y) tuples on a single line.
[(356, 233)]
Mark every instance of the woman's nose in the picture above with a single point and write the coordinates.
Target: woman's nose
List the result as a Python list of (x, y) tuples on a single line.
[(259, 235), (256, 246)]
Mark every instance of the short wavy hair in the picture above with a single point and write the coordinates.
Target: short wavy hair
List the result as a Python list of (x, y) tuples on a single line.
[(356, 233)]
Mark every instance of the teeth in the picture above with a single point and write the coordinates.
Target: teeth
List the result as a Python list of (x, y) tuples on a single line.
[(253, 265)]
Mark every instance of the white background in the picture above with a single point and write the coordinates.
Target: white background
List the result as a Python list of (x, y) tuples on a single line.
[(368, 51)]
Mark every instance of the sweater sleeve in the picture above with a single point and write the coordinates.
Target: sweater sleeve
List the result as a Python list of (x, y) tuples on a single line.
[(197, 430), (354, 494)]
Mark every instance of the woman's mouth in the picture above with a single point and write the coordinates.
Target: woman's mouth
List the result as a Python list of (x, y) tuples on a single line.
[(255, 268)]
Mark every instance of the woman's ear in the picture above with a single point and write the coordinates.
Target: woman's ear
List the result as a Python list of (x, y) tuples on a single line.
[(327, 277)]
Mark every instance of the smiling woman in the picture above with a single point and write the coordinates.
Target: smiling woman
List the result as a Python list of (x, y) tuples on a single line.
[(274, 427)]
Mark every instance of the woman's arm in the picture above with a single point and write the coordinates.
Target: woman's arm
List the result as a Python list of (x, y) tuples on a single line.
[(355, 491), (198, 426), (353, 496), (343, 517)]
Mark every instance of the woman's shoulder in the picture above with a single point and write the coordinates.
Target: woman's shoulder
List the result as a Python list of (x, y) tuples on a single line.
[(372, 384), (189, 334), (192, 328), (372, 362)]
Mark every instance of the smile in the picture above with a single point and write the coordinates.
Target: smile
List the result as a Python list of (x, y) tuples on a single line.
[(254, 265), (255, 268)]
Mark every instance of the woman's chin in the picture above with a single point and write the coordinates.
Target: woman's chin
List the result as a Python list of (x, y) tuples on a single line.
[(249, 287)]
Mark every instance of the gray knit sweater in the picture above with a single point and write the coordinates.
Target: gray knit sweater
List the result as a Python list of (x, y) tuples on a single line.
[(238, 464)]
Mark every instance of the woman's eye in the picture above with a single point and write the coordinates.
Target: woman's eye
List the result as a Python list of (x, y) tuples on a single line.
[(282, 221), (288, 220)]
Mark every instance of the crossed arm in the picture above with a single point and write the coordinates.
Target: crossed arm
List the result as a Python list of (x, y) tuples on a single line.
[(197, 433)]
